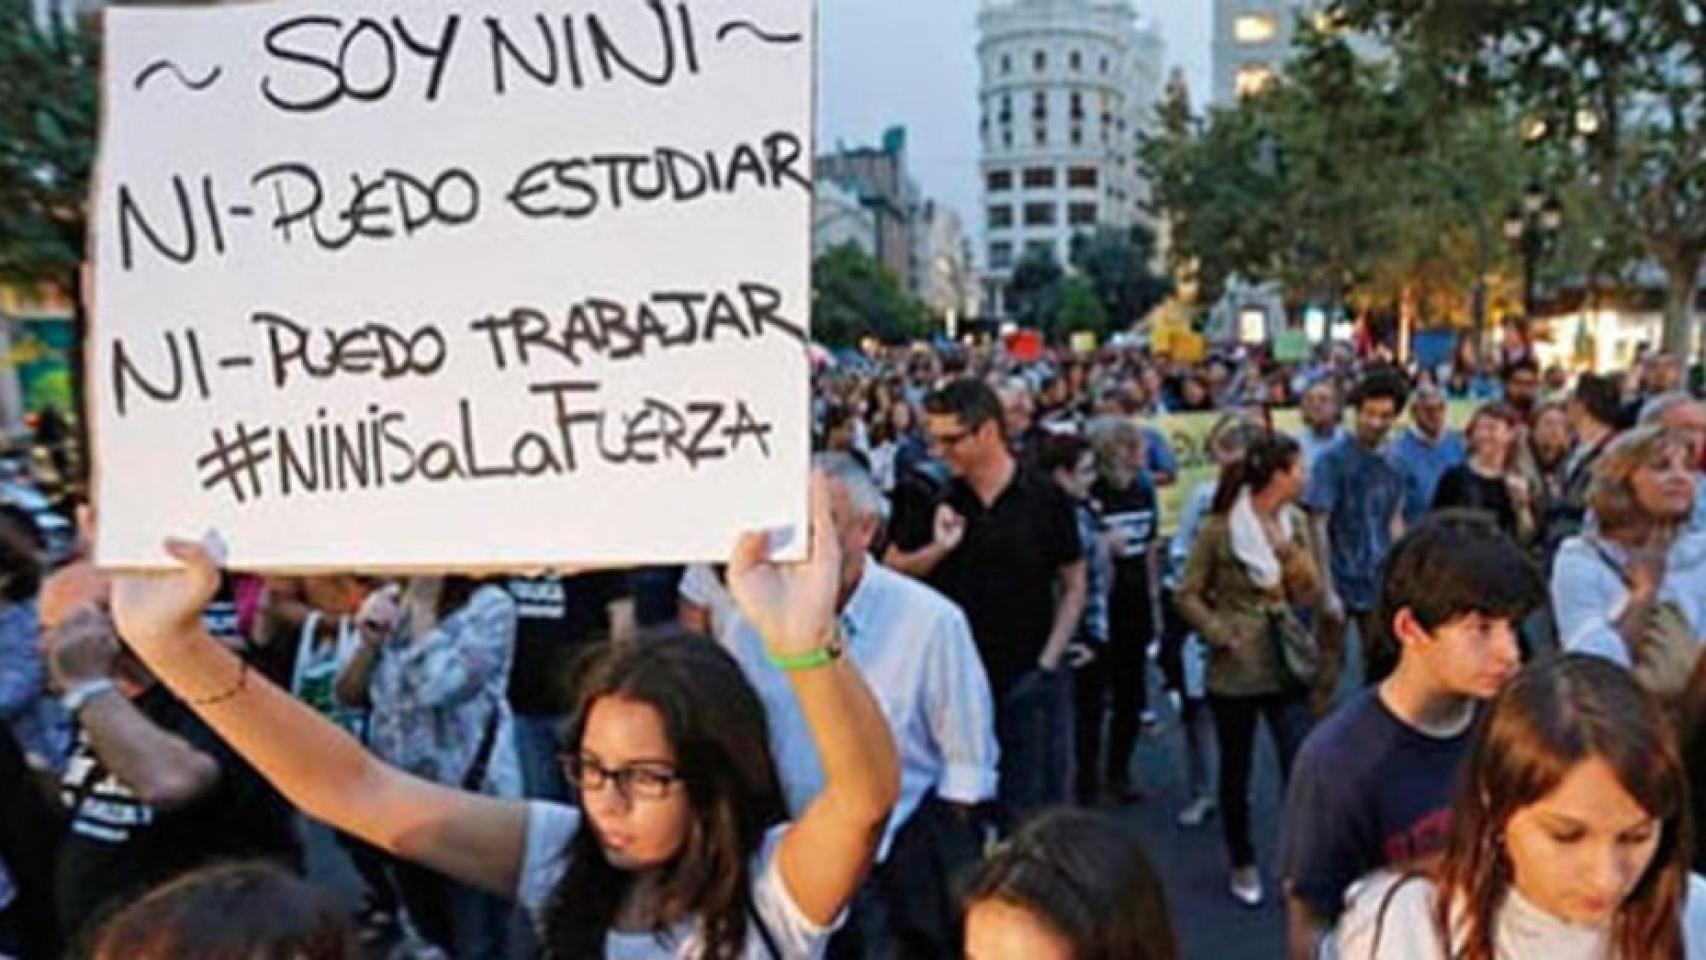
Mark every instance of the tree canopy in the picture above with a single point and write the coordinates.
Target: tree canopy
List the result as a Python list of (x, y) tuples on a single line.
[(47, 143), (1371, 184), (1614, 90), (854, 296)]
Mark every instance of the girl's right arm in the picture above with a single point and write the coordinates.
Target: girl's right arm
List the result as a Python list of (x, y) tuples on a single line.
[(826, 852), (316, 765)]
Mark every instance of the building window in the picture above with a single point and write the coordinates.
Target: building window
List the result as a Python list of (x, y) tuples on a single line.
[(1000, 255), (999, 180), (1006, 63), (1083, 177), (1076, 61), (1000, 216), (1081, 214), (1255, 27), (1039, 105), (1042, 137), (1077, 136), (1104, 64), (1006, 113), (1040, 249), (1039, 214), (1039, 177), (1077, 105), (1039, 61), (1253, 78), (1007, 139)]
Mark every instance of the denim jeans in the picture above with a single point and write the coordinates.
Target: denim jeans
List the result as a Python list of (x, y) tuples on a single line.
[(1035, 728)]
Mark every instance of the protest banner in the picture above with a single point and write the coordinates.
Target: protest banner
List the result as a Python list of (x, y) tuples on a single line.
[(425, 284), (1188, 436)]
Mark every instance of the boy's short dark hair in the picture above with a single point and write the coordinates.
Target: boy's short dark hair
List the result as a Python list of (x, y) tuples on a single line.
[(1601, 396), (1382, 383), (1452, 564), (967, 398)]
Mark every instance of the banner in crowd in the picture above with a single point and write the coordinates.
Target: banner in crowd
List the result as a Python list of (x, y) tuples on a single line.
[(436, 284), (1188, 435)]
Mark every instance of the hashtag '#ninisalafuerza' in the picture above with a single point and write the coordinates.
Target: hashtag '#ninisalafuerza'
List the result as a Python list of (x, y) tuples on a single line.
[(236, 463)]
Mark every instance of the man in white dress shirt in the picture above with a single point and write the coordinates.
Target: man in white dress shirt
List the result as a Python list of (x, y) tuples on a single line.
[(915, 649)]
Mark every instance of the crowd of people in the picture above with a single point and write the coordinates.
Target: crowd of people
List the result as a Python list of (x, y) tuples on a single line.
[(1475, 654)]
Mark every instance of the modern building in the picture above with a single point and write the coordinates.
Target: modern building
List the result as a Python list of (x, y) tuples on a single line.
[(945, 278), (1066, 87), (1253, 41), (879, 178)]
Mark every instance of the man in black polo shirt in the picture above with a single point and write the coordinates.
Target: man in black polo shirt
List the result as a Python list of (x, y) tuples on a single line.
[(1003, 544)]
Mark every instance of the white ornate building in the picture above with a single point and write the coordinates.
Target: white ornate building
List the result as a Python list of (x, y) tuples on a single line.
[(1066, 86)]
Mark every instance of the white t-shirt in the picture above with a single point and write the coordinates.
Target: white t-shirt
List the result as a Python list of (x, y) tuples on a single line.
[(1525, 932), (550, 828)]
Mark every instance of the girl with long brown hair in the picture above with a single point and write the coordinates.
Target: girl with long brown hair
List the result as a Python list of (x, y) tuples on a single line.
[(678, 848), (1570, 837)]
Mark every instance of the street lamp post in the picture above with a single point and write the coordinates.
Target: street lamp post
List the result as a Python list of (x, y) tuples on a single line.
[(1531, 226)]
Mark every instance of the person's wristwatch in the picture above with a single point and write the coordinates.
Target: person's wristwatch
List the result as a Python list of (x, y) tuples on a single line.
[(78, 695)]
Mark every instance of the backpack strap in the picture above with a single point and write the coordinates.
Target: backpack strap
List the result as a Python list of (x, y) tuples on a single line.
[(763, 929)]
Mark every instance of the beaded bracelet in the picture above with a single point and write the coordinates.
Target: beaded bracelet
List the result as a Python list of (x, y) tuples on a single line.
[(236, 688)]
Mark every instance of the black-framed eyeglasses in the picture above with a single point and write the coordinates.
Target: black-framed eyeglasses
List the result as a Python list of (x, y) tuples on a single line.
[(635, 781), (946, 440)]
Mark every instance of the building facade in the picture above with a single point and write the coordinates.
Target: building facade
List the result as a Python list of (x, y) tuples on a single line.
[(946, 279), (840, 218), (1253, 40), (879, 178), (1066, 87)]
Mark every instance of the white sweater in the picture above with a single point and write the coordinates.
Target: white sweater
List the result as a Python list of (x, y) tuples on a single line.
[(1589, 595), (1524, 932)]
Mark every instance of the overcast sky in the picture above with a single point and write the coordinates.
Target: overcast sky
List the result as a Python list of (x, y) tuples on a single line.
[(913, 62)]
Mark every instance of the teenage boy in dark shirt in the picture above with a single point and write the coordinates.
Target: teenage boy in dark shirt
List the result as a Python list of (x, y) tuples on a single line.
[(1371, 785)]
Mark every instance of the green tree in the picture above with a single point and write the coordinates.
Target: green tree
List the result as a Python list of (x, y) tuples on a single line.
[(854, 296), (1616, 89), (1116, 264), (47, 142), (1079, 309), (1280, 186), (1033, 294), (47, 146), (1375, 185), (1222, 210)]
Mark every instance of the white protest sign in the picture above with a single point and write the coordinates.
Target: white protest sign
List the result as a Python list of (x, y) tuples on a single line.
[(432, 284)]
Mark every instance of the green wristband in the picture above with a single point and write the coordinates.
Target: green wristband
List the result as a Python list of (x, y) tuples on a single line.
[(821, 657)]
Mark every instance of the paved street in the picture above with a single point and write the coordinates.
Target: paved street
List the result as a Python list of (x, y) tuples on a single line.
[(1211, 925)]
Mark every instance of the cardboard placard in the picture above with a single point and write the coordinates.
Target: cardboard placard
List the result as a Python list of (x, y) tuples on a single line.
[(422, 284)]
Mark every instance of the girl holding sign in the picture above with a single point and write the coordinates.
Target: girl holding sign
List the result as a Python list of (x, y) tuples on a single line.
[(678, 849)]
